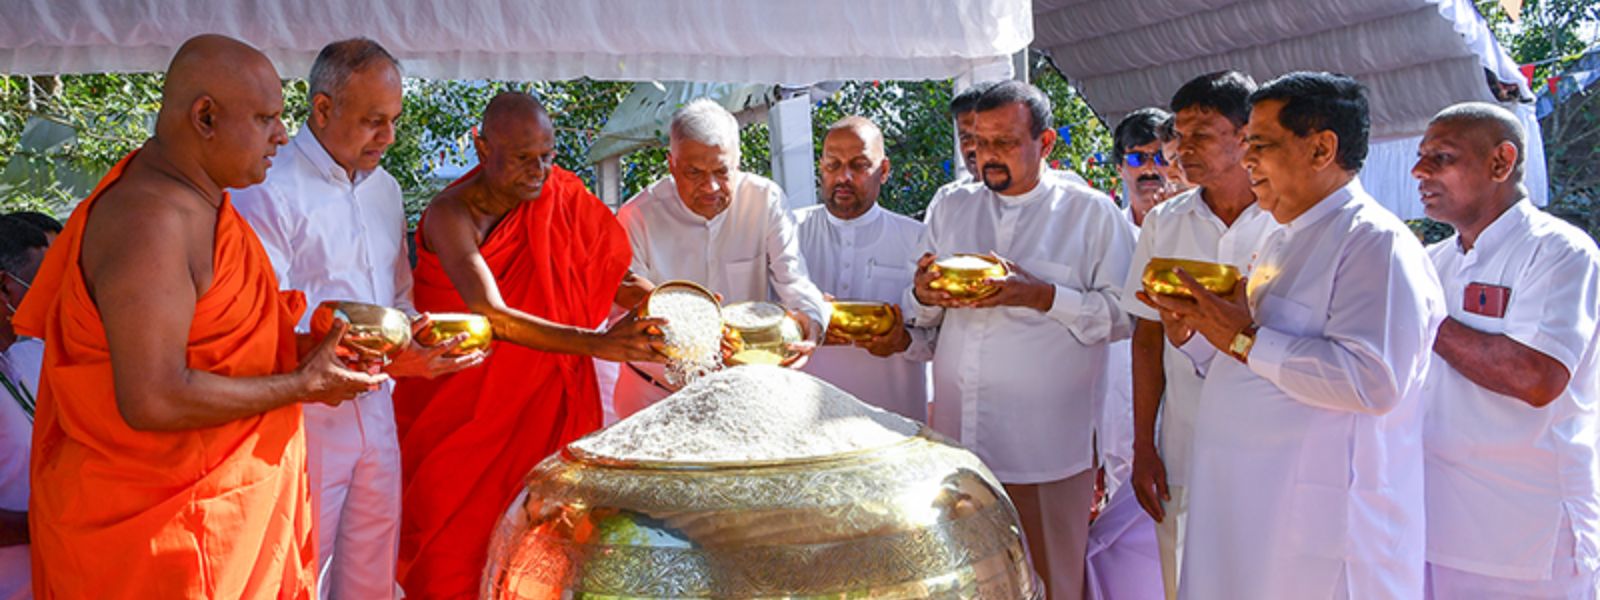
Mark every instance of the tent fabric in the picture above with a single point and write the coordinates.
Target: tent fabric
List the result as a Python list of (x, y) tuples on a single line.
[(1415, 57), (754, 41)]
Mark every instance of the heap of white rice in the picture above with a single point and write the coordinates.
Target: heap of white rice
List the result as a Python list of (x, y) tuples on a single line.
[(965, 262), (693, 332), (749, 413)]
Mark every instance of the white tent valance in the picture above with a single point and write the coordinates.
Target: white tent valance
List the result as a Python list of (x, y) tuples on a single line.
[(757, 41)]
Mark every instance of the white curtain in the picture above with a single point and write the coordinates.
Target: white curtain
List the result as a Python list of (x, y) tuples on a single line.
[(757, 41)]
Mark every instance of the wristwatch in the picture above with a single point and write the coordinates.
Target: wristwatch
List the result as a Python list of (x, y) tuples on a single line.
[(1243, 342)]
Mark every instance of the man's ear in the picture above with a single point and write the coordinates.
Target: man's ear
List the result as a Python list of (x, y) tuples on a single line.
[(1325, 149), (203, 116), (1047, 143), (321, 109), (1502, 162)]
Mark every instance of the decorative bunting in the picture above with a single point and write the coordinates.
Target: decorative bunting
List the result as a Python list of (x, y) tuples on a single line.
[(1527, 73)]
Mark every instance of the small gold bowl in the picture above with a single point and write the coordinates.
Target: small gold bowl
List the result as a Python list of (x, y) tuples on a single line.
[(443, 326), (763, 330), (645, 310), (1161, 277), (861, 319), (962, 275), (376, 333)]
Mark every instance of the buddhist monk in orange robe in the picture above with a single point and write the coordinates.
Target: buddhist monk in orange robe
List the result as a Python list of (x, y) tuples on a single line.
[(168, 455), (523, 242)]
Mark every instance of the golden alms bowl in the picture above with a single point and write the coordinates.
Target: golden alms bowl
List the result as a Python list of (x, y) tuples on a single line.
[(861, 319), (376, 333), (962, 275), (1161, 277), (650, 307), (443, 326), (764, 333)]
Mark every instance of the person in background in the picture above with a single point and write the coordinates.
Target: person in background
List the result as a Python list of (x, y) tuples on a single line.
[(22, 248)]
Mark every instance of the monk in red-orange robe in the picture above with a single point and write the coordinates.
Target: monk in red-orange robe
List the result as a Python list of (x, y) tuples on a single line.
[(168, 454), (523, 242)]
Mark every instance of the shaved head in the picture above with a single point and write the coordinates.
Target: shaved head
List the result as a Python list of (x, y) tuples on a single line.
[(1487, 125), (220, 109), (516, 145), (863, 128)]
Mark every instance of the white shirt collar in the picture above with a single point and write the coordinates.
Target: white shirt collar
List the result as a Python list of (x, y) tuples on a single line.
[(873, 215), (1501, 228), (1327, 206), (309, 146), (1040, 190)]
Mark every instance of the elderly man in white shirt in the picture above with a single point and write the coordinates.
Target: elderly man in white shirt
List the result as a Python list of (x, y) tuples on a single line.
[(712, 224), (22, 248), (857, 250), (1306, 476), (1018, 375), (332, 222), (1220, 222), (1512, 492)]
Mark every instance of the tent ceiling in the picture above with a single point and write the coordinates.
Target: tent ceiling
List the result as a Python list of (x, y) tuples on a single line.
[(756, 41), (1416, 56)]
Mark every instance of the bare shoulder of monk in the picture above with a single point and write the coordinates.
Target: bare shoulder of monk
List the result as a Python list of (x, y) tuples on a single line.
[(450, 220), (145, 229)]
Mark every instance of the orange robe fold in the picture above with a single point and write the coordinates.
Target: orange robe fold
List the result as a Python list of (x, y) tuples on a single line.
[(468, 439), (219, 512)]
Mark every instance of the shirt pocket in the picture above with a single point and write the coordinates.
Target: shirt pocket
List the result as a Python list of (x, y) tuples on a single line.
[(1287, 316), (887, 283), (743, 282), (1056, 273)]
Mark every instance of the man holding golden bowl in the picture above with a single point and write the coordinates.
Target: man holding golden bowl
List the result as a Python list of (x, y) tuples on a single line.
[(333, 221), (862, 254), (1018, 373), (1306, 478), (1217, 227), (712, 224)]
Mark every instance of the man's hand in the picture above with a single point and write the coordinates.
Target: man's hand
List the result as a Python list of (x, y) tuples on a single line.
[(1177, 332), (1149, 480), (1216, 318), (927, 272), (431, 361), (632, 339), (894, 342), (1018, 288), (798, 354), (326, 379)]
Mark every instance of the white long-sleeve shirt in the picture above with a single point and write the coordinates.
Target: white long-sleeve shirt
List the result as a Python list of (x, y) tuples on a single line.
[(328, 236), (871, 257), (20, 365), (1184, 227), (749, 251), (1020, 387), (1501, 474), (1307, 466)]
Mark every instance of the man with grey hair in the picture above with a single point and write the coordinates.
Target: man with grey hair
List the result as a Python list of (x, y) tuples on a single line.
[(333, 222), (713, 224), (1513, 501)]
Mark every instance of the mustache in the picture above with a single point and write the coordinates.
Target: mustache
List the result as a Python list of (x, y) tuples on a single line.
[(997, 166), (1151, 177)]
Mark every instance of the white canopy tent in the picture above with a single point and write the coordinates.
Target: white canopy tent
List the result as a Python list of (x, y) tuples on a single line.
[(1416, 55)]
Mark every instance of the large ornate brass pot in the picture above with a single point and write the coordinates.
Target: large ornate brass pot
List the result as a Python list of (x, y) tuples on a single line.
[(921, 518)]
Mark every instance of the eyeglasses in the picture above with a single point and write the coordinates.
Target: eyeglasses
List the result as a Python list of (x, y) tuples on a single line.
[(1140, 159), (25, 285)]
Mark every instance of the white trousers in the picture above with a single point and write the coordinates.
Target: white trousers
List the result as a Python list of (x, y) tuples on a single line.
[(1567, 580), (1169, 535), (1123, 561), (1055, 522), (353, 456)]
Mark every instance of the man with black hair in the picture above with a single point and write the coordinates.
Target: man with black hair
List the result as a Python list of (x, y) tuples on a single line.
[(1513, 498), (1141, 163), (43, 222), (1216, 222), (22, 248), (1002, 363), (1306, 477), (963, 108)]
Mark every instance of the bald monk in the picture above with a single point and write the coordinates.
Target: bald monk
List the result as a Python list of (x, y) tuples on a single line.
[(522, 241), (168, 455)]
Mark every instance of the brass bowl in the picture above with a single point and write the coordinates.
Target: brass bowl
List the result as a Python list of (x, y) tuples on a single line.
[(762, 331), (861, 319), (1160, 276), (963, 278), (376, 333), (921, 518), (443, 326), (674, 352)]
